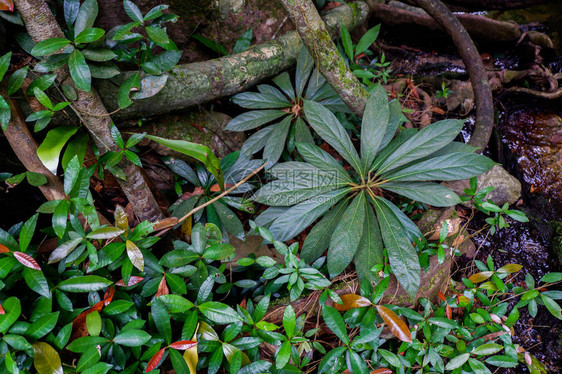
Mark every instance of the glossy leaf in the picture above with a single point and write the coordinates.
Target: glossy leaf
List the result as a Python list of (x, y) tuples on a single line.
[(46, 360), (48, 46), (79, 71), (352, 301), (49, 150), (155, 360), (27, 260), (335, 322), (395, 323), (86, 283), (219, 313)]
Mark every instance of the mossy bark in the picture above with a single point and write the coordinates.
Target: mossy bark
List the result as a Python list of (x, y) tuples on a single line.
[(200, 82), (315, 36), (41, 25)]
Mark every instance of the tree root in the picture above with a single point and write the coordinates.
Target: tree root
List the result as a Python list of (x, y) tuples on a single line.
[(317, 40), (475, 67), (481, 28)]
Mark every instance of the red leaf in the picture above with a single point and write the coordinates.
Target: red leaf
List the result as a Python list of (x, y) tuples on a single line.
[(243, 304), (27, 260), (2, 311), (79, 328), (133, 279), (3, 248), (441, 296), (382, 371), (216, 187), (108, 296), (183, 345), (162, 288), (155, 360), (7, 5), (449, 312)]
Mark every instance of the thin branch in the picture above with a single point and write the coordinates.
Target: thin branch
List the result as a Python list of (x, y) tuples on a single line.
[(170, 222)]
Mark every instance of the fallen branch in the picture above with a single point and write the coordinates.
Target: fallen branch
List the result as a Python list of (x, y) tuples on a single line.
[(172, 221), (317, 40), (475, 67), (536, 94), (24, 146), (200, 82)]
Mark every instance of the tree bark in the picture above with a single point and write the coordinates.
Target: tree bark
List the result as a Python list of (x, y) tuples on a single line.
[(24, 146), (475, 67), (318, 41), (41, 25), (200, 82)]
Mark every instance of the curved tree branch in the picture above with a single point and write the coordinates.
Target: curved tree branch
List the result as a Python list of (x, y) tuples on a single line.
[(41, 25), (24, 146), (474, 66), (318, 41)]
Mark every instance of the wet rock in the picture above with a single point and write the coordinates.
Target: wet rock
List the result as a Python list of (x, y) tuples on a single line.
[(530, 135), (507, 189), (201, 127)]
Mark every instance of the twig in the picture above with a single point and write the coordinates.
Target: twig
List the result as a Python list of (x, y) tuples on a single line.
[(195, 210)]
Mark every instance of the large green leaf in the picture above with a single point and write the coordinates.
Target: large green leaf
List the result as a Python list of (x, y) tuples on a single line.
[(283, 81), (401, 254), (425, 192), (316, 156), (454, 166), (219, 313), (42, 326), (12, 311), (48, 46), (305, 63), (335, 322), (346, 237), (318, 239), (49, 150), (423, 143), (86, 16), (80, 71), (370, 251), (162, 320), (257, 141), (276, 141), (89, 35), (373, 126), (325, 123), (35, 279), (198, 151), (295, 219), (258, 100), (229, 220), (408, 226), (132, 338), (297, 181), (253, 119), (86, 283)]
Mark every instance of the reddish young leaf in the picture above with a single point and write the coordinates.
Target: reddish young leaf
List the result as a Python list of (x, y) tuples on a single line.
[(4, 249), (27, 260), (351, 301), (7, 5), (133, 279), (155, 360), (243, 304), (108, 296), (183, 345), (79, 328), (449, 312), (441, 296), (216, 187), (382, 371), (2, 311), (162, 288), (528, 359), (395, 324)]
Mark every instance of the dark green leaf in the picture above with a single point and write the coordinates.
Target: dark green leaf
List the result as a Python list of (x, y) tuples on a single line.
[(86, 283), (346, 236), (335, 322), (48, 46), (79, 71), (429, 193)]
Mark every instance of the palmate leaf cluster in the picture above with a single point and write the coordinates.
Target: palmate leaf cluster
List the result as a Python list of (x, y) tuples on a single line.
[(235, 168), (358, 222), (282, 111)]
